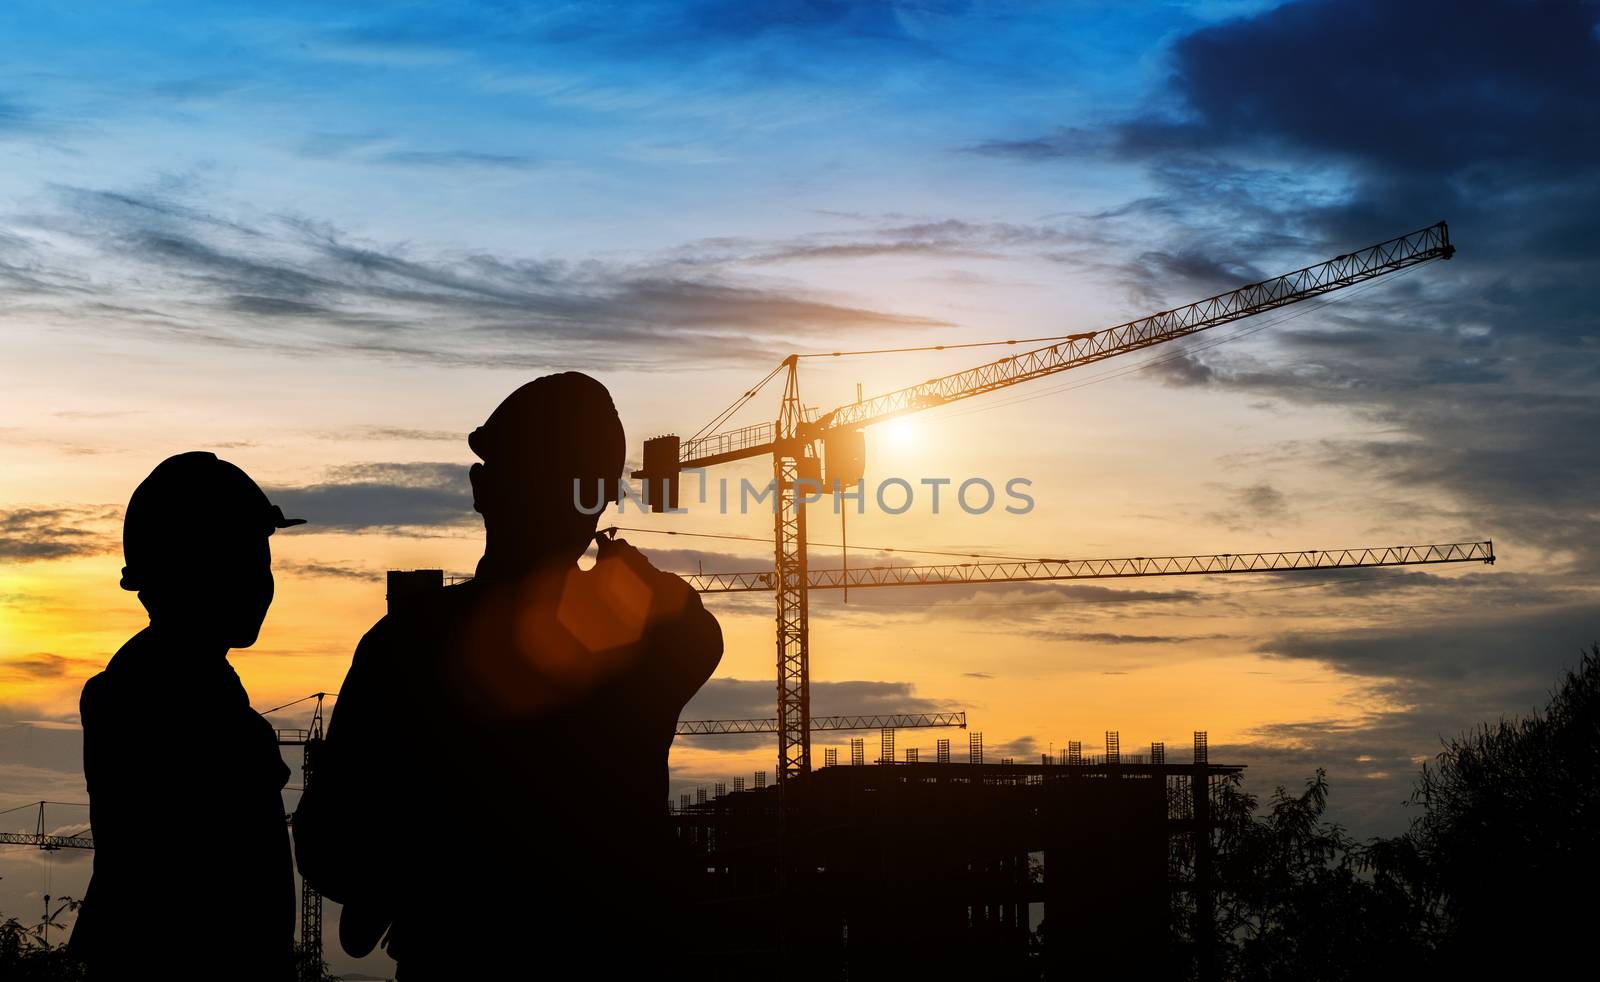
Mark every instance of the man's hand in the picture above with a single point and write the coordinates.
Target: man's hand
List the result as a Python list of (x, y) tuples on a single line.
[(693, 639), (671, 585)]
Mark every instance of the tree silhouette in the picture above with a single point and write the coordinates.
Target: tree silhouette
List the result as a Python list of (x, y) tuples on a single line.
[(1299, 898), (26, 957), (1482, 881), (1507, 838)]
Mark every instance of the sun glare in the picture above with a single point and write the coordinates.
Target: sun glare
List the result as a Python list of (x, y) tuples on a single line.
[(901, 434)]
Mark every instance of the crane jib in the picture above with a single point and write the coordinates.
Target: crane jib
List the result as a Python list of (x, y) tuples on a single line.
[(1089, 347), (1092, 569), (1390, 256)]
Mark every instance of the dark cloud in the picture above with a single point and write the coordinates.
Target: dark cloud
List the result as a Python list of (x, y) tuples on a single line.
[(1108, 637), (1189, 272), (1253, 508), (728, 698), (43, 666), (953, 593), (1424, 88), (1316, 127), (1065, 142), (1483, 652), (365, 434), (1262, 500), (1355, 90), (1446, 675), (949, 238), (1372, 760), (29, 534), (1023, 749), (333, 569), (1347, 95), (799, 252), (1017, 608), (1390, 582), (41, 756), (1183, 368), (368, 497), (1518, 456), (292, 284)]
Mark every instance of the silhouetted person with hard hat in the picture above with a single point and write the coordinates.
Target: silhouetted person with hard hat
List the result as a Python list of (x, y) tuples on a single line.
[(492, 792), (192, 870)]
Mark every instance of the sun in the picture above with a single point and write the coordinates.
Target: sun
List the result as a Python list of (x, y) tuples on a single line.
[(901, 433)]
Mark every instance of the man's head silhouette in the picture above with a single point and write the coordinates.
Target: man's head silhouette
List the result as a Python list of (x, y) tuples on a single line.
[(547, 434), (194, 538)]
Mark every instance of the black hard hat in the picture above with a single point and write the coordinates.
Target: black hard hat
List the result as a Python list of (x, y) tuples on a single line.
[(564, 424), (188, 499)]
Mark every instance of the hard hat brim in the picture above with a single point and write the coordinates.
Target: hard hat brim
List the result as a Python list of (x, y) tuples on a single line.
[(278, 521)]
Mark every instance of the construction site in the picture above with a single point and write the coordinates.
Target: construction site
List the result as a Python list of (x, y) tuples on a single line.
[(887, 862), (994, 868)]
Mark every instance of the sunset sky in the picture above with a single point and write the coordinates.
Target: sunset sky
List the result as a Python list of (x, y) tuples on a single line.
[(323, 241)]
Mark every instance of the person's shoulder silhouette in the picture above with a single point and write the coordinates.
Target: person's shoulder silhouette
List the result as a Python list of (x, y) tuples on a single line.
[(539, 696), (195, 541)]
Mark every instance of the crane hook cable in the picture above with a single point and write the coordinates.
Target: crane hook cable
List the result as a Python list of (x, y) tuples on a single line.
[(738, 404), (314, 695), (836, 545)]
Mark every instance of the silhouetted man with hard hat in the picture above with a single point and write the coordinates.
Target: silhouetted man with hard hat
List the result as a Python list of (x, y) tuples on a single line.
[(192, 870), (492, 792)]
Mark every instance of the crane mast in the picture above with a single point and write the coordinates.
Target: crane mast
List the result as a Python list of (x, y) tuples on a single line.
[(796, 443), (795, 464)]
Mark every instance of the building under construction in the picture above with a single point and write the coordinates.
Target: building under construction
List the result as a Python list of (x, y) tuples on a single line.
[(1042, 870)]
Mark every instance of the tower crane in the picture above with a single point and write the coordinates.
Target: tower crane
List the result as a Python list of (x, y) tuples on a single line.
[(48, 841), (799, 444), (309, 739)]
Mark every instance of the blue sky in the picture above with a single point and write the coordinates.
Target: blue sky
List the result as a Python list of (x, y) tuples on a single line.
[(405, 121)]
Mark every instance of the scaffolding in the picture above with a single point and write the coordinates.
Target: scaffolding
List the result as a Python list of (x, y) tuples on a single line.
[(1080, 865)]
